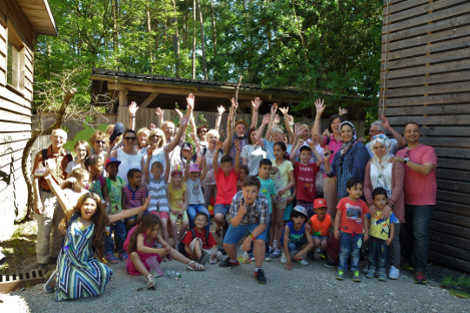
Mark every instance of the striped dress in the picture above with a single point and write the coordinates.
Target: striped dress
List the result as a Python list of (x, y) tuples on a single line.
[(79, 274)]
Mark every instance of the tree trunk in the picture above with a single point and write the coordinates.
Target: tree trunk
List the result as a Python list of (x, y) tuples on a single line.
[(149, 30), (201, 22), (214, 29), (193, 76), (115, 26), (176, 42)]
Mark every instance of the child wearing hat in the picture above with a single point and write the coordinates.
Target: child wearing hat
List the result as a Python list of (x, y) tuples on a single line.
[(177, 203), (196, 202), (320, 225), (296, 238)]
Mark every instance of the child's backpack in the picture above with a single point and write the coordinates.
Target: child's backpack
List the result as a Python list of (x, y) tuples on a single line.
[(181, 244)]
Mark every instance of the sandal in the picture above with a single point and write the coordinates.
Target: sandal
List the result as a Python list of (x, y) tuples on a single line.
[(49, 286), (150, 282), (197, 267)]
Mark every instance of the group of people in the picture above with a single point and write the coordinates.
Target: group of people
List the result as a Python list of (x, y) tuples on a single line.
[(289, 193)]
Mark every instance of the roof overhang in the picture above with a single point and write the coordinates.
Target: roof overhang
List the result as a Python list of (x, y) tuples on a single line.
[(39, 15)]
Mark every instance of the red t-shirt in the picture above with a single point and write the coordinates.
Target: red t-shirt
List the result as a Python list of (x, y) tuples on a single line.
[(205, 245), (305, 180), (352, 215), (322, 228), (420, 189), (226, 186)]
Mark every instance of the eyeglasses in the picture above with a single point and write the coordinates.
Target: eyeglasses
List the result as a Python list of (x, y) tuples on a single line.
[(379, 136), (103, 142), (130, 138), (203, 131), (82, 150), (155, 136)]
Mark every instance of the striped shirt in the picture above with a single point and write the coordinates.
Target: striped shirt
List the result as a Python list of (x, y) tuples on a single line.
[(134, 198), (158, 196)]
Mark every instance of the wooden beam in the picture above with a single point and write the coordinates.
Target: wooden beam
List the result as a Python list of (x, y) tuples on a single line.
[(123, 97), (149, 99)]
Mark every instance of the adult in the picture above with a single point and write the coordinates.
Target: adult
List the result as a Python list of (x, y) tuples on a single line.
[(274, 133), (379, 127), (99, 143), (129, 155), (252, 153), (420, 190), (332, 143), (142, 138), (45, 204), (382, 172), (350, 161)]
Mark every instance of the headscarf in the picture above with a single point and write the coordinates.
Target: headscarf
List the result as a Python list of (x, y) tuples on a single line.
[(383, 139), (347, 145), (381, 177)]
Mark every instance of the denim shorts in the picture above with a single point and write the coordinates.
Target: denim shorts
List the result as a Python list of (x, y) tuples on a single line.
[(235, 234)]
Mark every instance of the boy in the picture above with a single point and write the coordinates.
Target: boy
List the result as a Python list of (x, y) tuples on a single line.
[(381, 235), (199, 244), (320, 225), (249, 211), (226, 177), (350, 224), (267, 189), (114, 184), (134, 196), (305, 173), (296, 238), (196, 202)]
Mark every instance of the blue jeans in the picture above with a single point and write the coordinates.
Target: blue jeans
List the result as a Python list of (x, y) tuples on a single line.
[(119, 229), (234, 234), (193, 209), (349, 246), (418, 221), (378, 250)]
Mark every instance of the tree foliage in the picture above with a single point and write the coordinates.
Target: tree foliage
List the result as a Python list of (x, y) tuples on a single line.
[(316, 45)]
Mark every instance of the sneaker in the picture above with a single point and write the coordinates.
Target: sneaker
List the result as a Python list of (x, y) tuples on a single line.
[(228, 263), (420, 278), (270, 250), (394, 273), (252, 259), (213, 261), (267, 258), (204, 258), (274, 244), (283, 258), (330, 264), (356, 277), (323, 255), (276, 253), (340, 275), (302, 262), (111, 258), (407, 266), (382, 276), (370, 272), (123, 256), (259, 276)]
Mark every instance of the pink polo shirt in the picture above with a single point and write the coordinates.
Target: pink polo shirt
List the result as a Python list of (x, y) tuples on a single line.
[(420, 189), (334, 146)]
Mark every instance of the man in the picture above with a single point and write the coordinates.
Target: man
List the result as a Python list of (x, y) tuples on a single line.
[(49, 213), (420, 190), (379, 127)]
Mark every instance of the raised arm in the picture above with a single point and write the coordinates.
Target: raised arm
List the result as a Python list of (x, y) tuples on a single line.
[(215, 158), (132, 111), (218, 120), (395, 134), (147, 163), (287, 118), (271, 121), (183, 124), (204, 168), (255, 104), (159, 113), (230, 119), (260, 131), (237, 156), (65, 204), (316, 129), (167, 165), (129, 212)]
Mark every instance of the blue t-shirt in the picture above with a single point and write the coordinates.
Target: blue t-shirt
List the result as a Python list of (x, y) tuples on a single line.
[(267, 188), (295, 236)]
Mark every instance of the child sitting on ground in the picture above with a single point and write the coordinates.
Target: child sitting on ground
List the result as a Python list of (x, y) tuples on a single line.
[(381, 233), (350, 224), (140, 244), (134, 196), (249, 211), (177, 203), (320, 225), (198, 244), (114, 185), (296, 238)]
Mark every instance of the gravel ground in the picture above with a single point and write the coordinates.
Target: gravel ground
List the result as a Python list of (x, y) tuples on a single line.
[(312, 287)]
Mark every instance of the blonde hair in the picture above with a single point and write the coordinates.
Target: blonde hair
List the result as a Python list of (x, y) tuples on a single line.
[(158, 131), (99, 135), (213, 132)]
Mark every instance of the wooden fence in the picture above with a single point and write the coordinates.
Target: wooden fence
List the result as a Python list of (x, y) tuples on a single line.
[(425, 78)]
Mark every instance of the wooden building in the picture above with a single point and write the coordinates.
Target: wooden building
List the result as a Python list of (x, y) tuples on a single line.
[(426, 78), (20, 23)]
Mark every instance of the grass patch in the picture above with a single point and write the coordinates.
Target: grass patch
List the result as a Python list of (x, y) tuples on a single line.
[(459, 287)]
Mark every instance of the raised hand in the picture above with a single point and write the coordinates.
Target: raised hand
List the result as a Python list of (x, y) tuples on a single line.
[(221, 109), (320, 106), (178, 111), (237, 145), (190, 101), (290, 118), (159, 112), (133, 108), (255, 103), (234, 104), (277, 119), (266, 119), (284, 110), (218, 145), (384, 122), (342, 111), (297, 129), (274, 108), (184, 120)]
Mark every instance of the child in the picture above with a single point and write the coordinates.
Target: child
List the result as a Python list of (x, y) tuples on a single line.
[(177, 203), (244, 172), (94, 165), (305, 173), (134, 196), (283, 177), (267, 189), (76, 185), (79, 274), (194, 193), (157, 188), (296, 237), (249, 211), (226, 177), (140, 244), (350, 223), (114, 185), (320, 225), (82, 151), (381, 233), (198, 244)]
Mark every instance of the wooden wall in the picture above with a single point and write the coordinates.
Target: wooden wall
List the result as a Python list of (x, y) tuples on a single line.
[(426, 78), (15, 118)]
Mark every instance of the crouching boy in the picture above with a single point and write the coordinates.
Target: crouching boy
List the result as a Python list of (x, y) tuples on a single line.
[(249, 211)]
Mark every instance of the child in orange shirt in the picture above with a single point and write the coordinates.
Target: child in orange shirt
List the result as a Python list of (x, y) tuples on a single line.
[(320, 225)]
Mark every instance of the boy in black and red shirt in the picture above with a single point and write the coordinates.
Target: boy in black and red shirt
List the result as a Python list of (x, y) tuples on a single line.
[(198, 243)]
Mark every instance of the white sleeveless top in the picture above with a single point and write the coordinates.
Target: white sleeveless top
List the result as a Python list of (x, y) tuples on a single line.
[(128, 161)]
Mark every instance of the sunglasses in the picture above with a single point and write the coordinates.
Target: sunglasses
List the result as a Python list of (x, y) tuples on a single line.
[(203, 131), (379, 136), (155, 136), (101, 142), (130, 138)]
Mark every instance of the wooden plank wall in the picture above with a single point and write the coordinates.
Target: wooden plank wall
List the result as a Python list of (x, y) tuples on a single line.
[(426, 78)]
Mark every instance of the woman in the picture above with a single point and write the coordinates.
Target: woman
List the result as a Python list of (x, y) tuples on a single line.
[(99, 143), (142, 138), (349, 161), (252, 153), (129, 155), (381, 172)]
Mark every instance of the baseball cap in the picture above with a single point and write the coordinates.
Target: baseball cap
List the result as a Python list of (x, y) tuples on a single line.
[(186, 146), (319, 203), (301, 209), (193, 168), (111, 160), (117, 131)]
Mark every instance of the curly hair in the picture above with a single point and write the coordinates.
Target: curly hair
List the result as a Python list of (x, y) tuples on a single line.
[(148, 222)]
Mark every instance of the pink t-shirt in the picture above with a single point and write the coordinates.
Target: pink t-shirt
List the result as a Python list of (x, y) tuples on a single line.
[(226, 186), (305, 180), (352, 215), (334, 146), (420, 189)]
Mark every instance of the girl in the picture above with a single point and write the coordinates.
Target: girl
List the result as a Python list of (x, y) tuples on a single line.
[(252, 153), (78, 273), (178, 202), (196, 203), (244, 171), (76, 185), (94, 165), (140, 244), (283, 177), (82, 151)]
